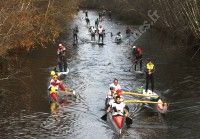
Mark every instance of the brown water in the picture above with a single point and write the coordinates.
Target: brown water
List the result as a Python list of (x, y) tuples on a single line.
[(25, 111)]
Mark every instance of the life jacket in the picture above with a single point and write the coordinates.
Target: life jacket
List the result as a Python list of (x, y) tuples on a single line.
[(150, 66), (118, 109), (138, 51), (61, 50), (116, 87), (53, 93), (101, 30), (58, 84)]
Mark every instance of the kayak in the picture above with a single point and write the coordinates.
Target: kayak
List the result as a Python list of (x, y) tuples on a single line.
[(161, 108), (118, 122), (63, 73), (139, 72)]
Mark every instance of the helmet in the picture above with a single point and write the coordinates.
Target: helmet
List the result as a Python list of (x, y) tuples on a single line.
[(134, 47), (60, 44), (54, 89), (119, 92), (53, 73)]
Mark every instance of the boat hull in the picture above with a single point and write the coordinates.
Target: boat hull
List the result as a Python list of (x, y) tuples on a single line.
[(161, 108), (118, 122)]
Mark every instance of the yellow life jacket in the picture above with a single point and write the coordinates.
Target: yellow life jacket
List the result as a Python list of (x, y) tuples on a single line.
[(150, 66), (54, 90)]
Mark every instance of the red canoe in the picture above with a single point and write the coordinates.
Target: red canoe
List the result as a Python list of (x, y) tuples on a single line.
[(118, 122)]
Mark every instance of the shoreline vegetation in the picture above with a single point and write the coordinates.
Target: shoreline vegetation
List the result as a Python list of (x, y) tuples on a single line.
[(29, 24), (178, 19)]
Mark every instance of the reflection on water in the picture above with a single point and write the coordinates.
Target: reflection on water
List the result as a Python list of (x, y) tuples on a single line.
[(28, 114)]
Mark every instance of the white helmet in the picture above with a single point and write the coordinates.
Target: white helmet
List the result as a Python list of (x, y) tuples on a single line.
[(60, 44), (134, 47)]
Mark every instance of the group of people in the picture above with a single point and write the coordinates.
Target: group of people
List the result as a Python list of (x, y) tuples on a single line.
[(149, 67), (115, 100), (55, 84)]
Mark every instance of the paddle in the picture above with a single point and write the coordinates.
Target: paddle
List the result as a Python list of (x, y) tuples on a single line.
[(141, 101), (136, 94), (104, 117), (129, 121)]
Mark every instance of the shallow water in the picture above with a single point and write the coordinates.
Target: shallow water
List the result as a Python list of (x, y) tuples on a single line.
[(26, 111)]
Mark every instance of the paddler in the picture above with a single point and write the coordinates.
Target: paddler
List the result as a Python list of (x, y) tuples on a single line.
[(55, 82), (118, 107), (115, 85), (150, 68), (54, 95), (110, 95)]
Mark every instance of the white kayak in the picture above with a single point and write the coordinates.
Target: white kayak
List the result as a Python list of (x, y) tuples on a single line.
[(160, 106), (63, 73), (139, 72)]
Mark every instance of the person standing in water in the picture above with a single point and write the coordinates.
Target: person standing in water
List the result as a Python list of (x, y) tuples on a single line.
[(150, 68), (61, 54), (137, 52)]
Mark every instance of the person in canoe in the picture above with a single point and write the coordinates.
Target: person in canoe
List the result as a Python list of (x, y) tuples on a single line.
[(150, 68), (116, 85), (118, 107), (61, 54), (110, 95), (55, 82)]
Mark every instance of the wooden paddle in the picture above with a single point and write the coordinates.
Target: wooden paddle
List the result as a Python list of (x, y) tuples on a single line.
[(136, 94), (140, 101)]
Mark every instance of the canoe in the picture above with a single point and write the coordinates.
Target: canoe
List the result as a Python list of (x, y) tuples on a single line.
[(161, 108), (118, 122)]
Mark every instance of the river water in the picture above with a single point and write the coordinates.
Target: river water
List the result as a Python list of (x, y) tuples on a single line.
[(25, 110)]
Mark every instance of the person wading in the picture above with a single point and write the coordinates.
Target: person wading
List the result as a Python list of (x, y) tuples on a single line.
[(101, 32), (137, 52), (61, 54), (150, 68), (93, 31), (75, 35)]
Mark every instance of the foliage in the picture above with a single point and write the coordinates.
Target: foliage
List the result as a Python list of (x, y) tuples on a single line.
[(33, 23)]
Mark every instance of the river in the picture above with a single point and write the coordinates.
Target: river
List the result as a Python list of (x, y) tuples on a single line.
[(25, 108)]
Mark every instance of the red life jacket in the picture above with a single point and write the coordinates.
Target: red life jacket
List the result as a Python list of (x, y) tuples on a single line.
[(138, 51), (58, 83)]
